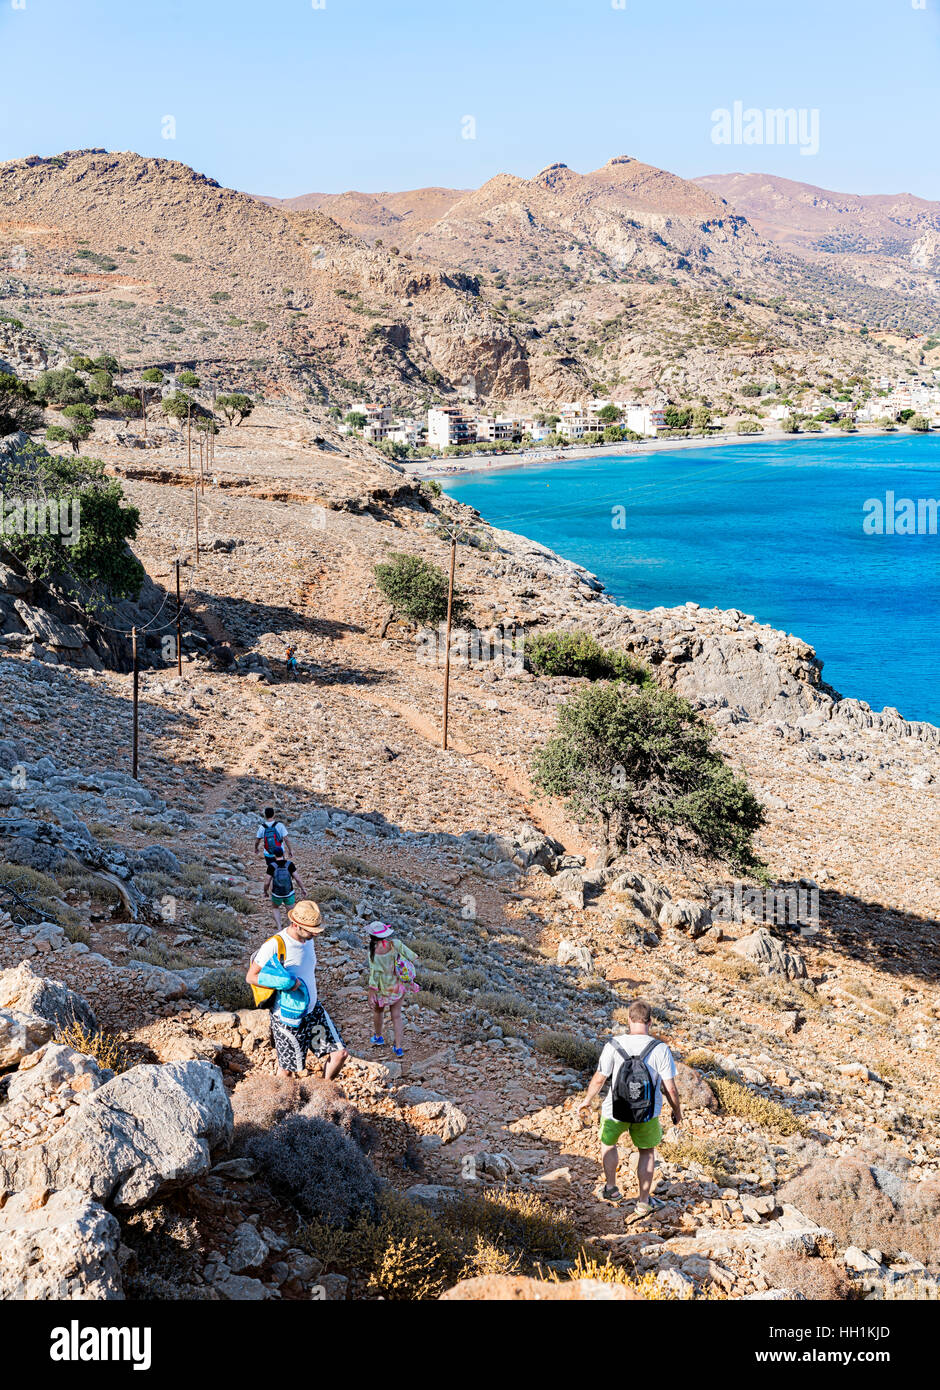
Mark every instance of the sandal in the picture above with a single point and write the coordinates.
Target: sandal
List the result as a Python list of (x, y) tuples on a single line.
[(654, 1204), (611, 1194), (377, 1040)]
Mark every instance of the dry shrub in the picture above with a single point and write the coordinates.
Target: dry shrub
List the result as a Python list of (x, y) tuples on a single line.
[(408, 1252), (577, 1052), (504, 1002), (588, 1266), (737, 1099), (444, 985), (318, 1168), (359, 868), (870, 1204), (815, 1279), (686, 1151), (108, 1050), (261, 1101), (168, 1248), (216, 921), (228, 988)]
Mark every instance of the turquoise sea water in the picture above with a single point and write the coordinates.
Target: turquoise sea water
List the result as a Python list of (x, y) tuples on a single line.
[(774, 529)]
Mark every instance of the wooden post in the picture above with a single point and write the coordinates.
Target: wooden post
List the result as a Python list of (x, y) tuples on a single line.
[(189, 435), (143, 410), (196, 508), (450, 611), (136, 695), (179, 631)]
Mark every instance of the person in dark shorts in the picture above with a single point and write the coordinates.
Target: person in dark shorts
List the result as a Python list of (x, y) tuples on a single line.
[(314, 1031)]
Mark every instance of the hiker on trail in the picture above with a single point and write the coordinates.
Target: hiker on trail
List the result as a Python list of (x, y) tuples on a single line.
[(391, 977), (290, 661), (272, 836), (284, 972), (639, 1068), (279, 884)]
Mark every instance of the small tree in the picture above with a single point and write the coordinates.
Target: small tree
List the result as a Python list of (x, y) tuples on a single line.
[(178, 406), (609, 415), (152, 375), (630, 757), (920, 423), (416, 589), (98, 567), (236, 406), (355, 420), (81, 423), (19, 409), (750, 427), (188, 379), (127, 407)]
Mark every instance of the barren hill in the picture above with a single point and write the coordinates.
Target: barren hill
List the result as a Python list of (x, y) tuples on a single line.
[(626, 279), (888, 239)]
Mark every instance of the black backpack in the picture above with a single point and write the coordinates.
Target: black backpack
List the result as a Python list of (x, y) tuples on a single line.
[(281, 882), (633, 1089)]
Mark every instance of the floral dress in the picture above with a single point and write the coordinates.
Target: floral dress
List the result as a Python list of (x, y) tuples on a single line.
[(384, 985)]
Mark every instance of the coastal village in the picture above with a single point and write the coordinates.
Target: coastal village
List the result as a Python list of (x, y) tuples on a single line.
[(449, 429)]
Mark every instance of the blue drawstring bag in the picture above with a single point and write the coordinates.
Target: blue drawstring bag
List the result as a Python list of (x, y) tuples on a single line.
[(292, 1003)]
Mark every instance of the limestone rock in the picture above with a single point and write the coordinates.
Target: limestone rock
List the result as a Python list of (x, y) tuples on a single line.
[(144, 1133), (62, 1248), (21, 1034), (770, 955), (25, 992), (518, 1289)]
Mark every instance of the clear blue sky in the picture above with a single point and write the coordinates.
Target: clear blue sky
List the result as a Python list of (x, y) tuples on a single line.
[(276, 96)]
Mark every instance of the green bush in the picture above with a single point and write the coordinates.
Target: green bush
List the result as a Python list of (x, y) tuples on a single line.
[(236, 406), (417, 589), (60, 386), (579, 654), (624, 757)]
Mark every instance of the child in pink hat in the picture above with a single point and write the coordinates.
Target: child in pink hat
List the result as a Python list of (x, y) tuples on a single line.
[(391, 977)]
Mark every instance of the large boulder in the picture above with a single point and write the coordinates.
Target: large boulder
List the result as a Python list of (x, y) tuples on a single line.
[(571, 953), (25, 992), (770, 955), (142, 1134), (63, 1247), (687, 915), (694, 1091), (21, 1034)]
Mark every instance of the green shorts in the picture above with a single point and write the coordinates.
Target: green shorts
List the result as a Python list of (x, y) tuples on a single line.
[(289, 901), (644, 1136)]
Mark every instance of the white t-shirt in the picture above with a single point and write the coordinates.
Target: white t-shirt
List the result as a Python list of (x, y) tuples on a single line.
[(661, 1063), (278, 826), (300, 959)]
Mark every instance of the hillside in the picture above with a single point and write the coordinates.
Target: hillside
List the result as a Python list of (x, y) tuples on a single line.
[(886, 240), (809, 1076), (626, 279)]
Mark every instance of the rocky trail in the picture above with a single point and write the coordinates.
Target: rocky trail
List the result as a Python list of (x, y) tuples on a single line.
[(807, 1164)]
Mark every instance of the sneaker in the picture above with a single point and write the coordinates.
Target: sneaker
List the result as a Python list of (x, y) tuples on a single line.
[(377, 1041), (398, 1051)]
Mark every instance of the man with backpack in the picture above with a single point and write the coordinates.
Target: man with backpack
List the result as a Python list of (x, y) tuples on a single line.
[(272, 837), (279, 885), (639, 1068), (283, 974)]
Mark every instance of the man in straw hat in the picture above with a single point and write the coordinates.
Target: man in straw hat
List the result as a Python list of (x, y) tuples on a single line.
[(314, 1031)]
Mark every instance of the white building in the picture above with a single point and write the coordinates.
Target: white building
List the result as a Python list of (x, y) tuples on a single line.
[(448, 425)]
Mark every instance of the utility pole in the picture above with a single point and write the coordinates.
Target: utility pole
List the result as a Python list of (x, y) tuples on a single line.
[(450, 614), (179, 631), (143, 410), (196, 509), (136, 696), (189, 435)]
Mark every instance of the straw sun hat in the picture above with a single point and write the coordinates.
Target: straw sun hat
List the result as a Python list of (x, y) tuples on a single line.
[(305, 914), (380, 929)]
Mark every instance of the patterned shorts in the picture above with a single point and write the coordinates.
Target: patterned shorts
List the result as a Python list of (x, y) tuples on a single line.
[(316, 1033)]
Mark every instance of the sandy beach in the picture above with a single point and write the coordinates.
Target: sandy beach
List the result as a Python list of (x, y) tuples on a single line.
[(539, 457)]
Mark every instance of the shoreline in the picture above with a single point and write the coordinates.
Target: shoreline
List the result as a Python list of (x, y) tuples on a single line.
[(540, 458)]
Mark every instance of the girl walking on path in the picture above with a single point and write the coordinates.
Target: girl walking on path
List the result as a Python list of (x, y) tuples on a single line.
[(391, 977)]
